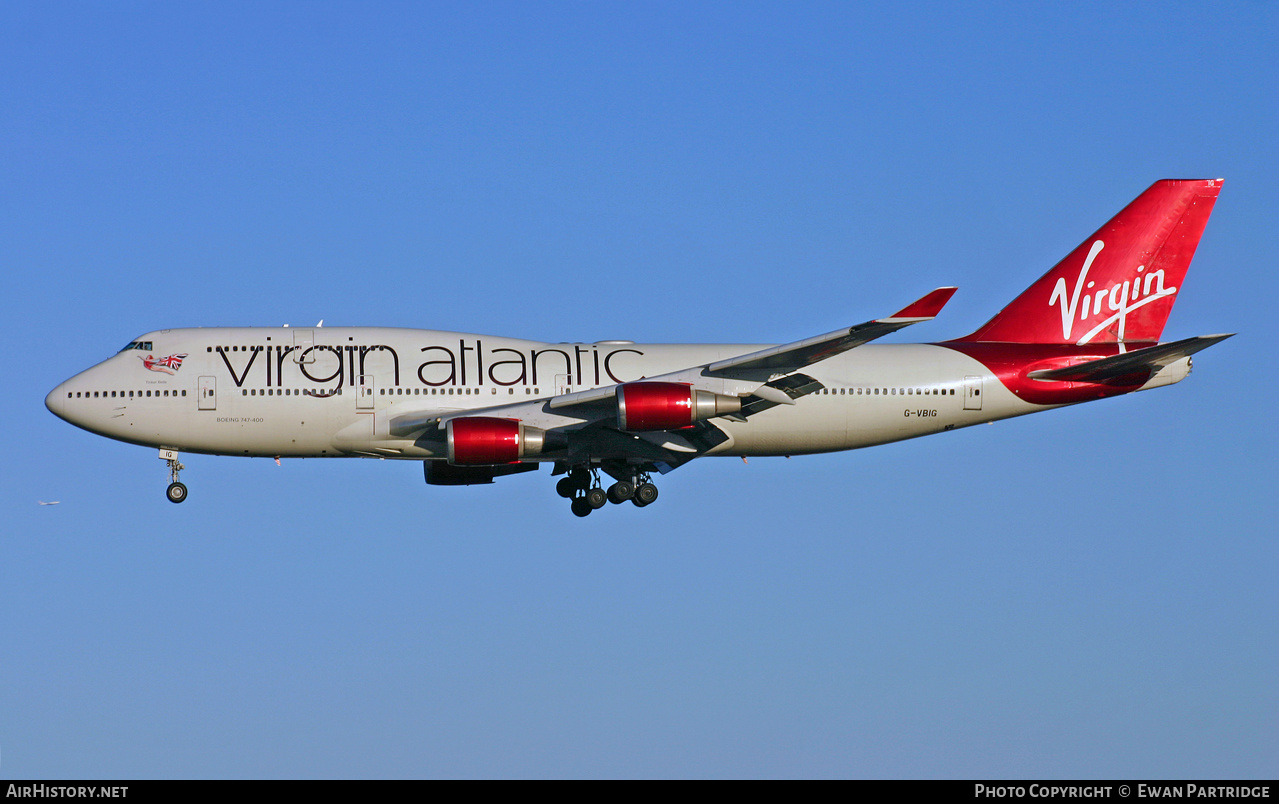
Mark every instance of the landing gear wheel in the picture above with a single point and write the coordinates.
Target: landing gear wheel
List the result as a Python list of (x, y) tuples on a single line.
[(621, 491), (645, 494), (566, 488), (176, 492), (596, 498), (581, 507)]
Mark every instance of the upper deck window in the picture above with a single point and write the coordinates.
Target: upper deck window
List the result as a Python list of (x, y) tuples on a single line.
[(144, 346)]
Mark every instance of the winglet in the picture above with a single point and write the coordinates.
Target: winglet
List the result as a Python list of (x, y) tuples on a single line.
[(924, 309)]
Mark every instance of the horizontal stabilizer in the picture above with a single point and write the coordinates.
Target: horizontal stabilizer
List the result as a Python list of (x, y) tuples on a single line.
[(1125, 365)]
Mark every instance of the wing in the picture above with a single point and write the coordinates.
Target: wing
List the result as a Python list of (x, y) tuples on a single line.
[(794, 356), (585, 423), (778, 361)]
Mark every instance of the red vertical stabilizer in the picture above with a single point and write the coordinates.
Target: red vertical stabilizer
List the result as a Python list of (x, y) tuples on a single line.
[(1119, 285)]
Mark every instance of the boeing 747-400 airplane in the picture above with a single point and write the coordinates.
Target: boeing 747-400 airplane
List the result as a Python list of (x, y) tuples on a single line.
[(474, 408)]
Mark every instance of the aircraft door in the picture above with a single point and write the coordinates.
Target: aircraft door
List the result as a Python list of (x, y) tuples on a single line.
[(364, 396), (972, 393), (303, 341), (208, 399), (561, 384)]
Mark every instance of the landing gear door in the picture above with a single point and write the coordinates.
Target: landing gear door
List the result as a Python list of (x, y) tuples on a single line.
[(364, 397), (208, 394), (972, 393)]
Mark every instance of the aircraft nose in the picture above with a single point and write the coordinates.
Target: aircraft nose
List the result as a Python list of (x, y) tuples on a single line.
[(55, 399)]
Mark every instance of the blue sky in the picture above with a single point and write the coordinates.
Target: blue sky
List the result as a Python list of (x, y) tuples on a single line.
[(1085, 593)]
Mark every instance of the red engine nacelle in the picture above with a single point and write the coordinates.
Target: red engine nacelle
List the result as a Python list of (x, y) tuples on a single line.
[(668, 405), (486, 441)]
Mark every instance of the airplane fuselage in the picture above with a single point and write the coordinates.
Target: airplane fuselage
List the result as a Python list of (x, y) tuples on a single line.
[(331, 392)]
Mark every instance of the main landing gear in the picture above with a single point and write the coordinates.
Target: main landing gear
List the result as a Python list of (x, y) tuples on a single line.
[(582, 486), (176, 492)]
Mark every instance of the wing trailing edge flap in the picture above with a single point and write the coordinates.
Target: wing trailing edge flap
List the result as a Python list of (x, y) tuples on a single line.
[(783, 391), (1150, 359)]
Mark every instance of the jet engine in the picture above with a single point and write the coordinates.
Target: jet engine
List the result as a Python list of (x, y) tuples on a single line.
[(487, 441), (668, 405)]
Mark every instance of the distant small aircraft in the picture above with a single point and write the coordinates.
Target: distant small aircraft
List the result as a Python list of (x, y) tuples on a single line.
[(54, 502), (474, 408)]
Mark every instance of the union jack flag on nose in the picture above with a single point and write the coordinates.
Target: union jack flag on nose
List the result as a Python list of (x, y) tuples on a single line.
[(168, 365)]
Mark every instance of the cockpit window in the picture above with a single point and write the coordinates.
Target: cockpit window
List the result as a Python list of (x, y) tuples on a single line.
[(144, 346)]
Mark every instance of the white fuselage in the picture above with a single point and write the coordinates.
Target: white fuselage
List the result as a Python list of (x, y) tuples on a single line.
[(332, 392)]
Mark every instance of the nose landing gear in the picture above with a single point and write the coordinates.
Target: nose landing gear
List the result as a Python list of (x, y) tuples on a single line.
[(176, 492)]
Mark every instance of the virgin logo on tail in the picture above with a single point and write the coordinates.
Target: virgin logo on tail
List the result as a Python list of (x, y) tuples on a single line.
[(1119, 299)]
